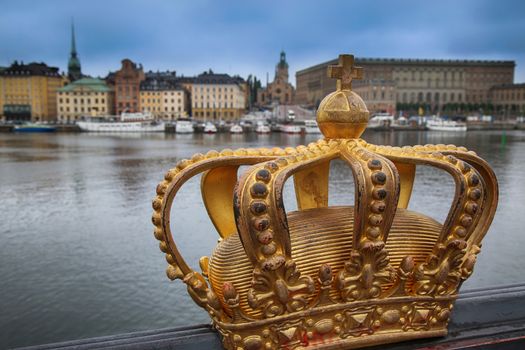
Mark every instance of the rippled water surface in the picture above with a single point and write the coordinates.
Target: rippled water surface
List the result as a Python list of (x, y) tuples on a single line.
[(77, 254)]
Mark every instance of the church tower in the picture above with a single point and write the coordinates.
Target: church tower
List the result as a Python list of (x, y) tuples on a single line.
[(74, 71), (281, 70)]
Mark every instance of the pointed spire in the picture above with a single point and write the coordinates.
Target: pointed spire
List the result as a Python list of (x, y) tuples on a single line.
[(73, 68), (73, 43)]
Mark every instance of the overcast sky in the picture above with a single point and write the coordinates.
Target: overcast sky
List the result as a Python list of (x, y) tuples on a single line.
[(243, 37)]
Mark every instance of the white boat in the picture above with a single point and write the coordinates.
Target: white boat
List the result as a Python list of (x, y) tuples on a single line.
[(381, 121), (290, 128), (210, 128), (262, 128), (127, 122), (311, 127), (438, 124), (184, 126), (236, 129)]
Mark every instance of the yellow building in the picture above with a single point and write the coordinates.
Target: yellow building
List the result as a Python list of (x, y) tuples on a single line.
[(84, 97), (163, 97), (218, 96), (151, 101), (28, 92)]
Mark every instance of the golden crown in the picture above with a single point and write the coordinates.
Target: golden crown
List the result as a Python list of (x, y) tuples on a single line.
[(325, 276)]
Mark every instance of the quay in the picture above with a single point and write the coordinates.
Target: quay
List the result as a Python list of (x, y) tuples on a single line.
[(488, 318), (170, 128)]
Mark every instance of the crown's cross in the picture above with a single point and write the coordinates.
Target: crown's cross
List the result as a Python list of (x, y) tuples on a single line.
[(345, 72)]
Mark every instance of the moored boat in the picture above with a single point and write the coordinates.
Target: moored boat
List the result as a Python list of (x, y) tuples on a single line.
[(438, 124), (127, 122), (236, 129), (290, 128), (381, 121), (210, 128), (262, 128), (33, 127), (311, 127), (184, 126)]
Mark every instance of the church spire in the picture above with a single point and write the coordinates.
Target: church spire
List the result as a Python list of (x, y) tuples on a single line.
[(74, 71), (73, 43)]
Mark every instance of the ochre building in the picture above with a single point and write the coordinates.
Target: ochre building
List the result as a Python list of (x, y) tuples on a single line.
[(218, 97), (163, 97), (433, 83), (280, 91), (86, 97), (28, 92)]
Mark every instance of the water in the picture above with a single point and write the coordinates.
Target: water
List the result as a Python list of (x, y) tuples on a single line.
[(77, 254)]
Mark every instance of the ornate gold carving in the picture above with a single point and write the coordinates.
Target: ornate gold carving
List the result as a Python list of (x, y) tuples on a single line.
[(327, 277), (280, 291)]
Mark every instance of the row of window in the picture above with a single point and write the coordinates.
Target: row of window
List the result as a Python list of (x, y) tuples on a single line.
[(215, 115), (82, 101), (81, 109), (201, 89), (214, 105), (172, 93), (420, 75), (127, 88), (159, 109), (154, 100), (510, 95), (127, 104), (83, 93), (436, 82), (374, 95), (437, 97), (201, 97)]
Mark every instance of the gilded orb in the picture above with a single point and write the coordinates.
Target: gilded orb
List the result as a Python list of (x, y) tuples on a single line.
[(342, 115)]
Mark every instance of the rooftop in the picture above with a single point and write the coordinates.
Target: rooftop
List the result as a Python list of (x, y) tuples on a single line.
[(94, 84), (413, 62), (210, 77), (509, 86), (31, 69), (159, 83)]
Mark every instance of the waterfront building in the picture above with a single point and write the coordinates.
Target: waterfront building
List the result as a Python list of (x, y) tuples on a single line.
[(127, 87), (162, 96), (218, 96), (28, 91), (1, 95), (508, 99), (74, 71), (418, 82), (85, 97), (379, 94), (279, 91)]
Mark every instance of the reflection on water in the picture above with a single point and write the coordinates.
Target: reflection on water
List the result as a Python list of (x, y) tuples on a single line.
[(77, 254)]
